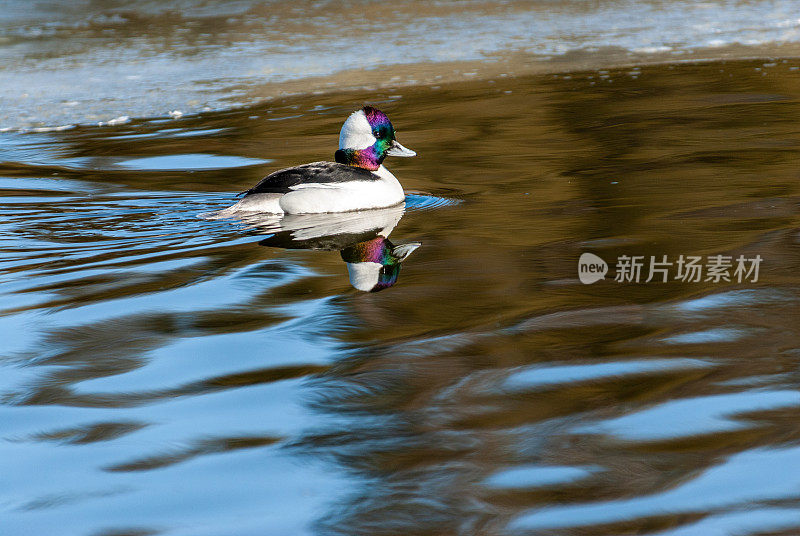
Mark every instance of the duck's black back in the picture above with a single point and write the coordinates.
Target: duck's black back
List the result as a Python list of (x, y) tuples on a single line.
[(283, 180)]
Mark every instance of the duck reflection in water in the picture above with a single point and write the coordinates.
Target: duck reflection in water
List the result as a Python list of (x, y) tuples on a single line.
[(362, 238)]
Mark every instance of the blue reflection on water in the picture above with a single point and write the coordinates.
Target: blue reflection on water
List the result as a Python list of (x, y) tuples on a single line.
[(756, 475)]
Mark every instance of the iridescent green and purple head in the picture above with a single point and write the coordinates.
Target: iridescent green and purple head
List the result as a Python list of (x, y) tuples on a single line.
[(366, 138)]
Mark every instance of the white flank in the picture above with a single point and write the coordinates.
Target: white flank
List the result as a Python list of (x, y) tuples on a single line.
[(312, 198)]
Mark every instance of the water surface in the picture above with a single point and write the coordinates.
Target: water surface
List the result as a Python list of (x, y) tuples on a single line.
[(165, 374)]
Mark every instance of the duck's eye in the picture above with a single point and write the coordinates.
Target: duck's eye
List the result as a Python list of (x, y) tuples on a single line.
[(376, 133)]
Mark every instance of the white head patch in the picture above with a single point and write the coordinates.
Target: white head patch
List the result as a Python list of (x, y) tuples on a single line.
[(356, 132)]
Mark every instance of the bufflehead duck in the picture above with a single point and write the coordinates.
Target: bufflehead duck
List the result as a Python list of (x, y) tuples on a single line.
[(357, 180)]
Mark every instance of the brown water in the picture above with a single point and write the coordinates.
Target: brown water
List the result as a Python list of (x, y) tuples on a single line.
[(162, 374)]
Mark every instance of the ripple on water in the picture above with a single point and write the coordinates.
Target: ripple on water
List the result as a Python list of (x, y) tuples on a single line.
[(758, 475), (189, 162), (153, 362), (536, 476), (421, 201)]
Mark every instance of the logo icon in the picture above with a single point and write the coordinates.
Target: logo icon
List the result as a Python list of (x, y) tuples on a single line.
[(591, 268)]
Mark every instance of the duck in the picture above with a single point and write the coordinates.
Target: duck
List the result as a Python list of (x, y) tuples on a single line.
[(356, 180)]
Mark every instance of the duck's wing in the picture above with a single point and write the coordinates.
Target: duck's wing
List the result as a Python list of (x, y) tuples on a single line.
[(327, 173)]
